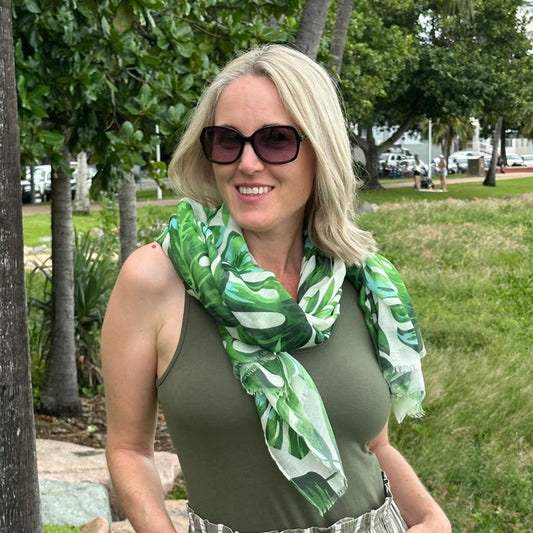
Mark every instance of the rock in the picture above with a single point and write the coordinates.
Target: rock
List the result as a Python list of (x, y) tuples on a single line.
[(177, 509), (98, 525), (64, 461), (75, 504)]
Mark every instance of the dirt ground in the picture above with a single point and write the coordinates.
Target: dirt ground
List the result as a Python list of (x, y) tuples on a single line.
[(89, 429)]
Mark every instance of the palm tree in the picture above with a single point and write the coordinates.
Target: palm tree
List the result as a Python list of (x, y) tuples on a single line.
[(444, 132), (127, 205), (490, 178), (19, 488), (312, 23), (449, 7), (59, 393), (340, 33)]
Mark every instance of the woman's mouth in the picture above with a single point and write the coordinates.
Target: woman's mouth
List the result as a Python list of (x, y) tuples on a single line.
[(252, 191)]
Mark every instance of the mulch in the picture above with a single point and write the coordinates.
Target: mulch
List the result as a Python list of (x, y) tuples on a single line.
[(89, 429)]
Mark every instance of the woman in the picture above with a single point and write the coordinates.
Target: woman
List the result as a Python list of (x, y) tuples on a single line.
[(417, 172), (263, 276), (443, 172)]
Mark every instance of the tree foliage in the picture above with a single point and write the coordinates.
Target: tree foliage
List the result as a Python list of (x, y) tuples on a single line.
[(107, 73), (99, 77), (405, 61)]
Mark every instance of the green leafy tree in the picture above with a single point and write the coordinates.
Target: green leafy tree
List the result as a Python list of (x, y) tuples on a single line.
[(19, 489), (511, 65), (100, 77), (408, 60)]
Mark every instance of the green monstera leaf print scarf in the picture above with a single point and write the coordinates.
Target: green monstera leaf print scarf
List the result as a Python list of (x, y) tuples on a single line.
[(260, 323)]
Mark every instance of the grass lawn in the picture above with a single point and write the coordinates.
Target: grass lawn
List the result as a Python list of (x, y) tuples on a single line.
[(459, 191), (467, 260), (468, 266)]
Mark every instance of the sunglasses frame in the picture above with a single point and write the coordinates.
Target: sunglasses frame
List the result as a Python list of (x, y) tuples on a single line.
[(243, 140)]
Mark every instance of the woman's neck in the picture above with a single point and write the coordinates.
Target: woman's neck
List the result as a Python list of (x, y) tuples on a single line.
[(283, 257)]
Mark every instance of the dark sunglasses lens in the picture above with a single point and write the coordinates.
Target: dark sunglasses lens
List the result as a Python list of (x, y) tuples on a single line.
[(221, 145), (276, 144)]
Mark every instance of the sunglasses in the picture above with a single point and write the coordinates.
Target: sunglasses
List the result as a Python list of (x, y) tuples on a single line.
[(273, 144)]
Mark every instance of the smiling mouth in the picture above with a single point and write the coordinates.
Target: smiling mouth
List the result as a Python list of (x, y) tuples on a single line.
[(250, 191)]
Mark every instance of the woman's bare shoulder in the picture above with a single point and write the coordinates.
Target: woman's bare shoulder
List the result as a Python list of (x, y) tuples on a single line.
[(149, 269)]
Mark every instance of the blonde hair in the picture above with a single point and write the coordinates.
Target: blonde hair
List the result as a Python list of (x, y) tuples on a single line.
[(311, 99)]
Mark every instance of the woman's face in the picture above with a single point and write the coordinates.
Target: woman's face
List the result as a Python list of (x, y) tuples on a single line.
[(264, 198)]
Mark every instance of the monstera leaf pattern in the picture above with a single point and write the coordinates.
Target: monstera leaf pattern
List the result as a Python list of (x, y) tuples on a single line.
[(391, 320), (260, 323)]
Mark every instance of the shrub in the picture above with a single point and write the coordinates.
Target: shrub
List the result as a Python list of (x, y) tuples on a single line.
[(95, 272)]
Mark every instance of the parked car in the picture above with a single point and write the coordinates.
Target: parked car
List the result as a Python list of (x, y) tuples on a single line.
[(391, 159), (528, 160), (47, 194), (408, 163), (40, 175), (26, 191), (461, 154), (514, 160)]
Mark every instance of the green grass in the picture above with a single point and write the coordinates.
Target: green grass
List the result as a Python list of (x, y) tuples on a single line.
[(467, 260), (460, 191), (468, 266), (37, 227), (61, 529)]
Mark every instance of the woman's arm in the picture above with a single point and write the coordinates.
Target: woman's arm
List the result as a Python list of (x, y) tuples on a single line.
[(134, 318), (418, 508)]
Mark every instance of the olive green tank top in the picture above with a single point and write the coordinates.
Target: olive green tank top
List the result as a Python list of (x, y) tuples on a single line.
[(229, 474)]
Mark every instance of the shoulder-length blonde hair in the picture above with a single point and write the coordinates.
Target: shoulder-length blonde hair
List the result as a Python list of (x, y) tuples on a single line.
[(311, 99)]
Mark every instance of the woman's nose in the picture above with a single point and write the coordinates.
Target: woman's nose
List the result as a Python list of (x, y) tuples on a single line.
[(249, 161)]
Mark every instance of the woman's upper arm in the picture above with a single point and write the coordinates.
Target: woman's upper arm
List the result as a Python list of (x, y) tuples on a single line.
[(134, 316)]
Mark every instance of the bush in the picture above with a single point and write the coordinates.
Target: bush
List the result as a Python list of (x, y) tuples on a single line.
[(95, 272)]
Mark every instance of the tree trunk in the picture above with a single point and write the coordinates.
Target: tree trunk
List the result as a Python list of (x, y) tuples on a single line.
[(312, 22), (503, 148), (340, 32), (372, 152), (490, 178), (59, 394), (19, 489), (369, 146), (127, 206)]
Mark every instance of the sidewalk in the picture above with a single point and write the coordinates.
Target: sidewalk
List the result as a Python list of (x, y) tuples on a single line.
[(44, 209), (510, 175)]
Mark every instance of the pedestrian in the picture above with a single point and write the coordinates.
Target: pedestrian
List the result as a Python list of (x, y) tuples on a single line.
[(500, 164), (443, 172), (417, 172), (267, 326)]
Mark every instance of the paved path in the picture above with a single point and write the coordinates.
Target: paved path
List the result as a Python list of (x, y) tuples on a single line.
[(43, 209), (393, 184)]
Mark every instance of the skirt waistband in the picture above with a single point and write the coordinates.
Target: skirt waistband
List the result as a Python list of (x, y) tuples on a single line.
[(384, 519)]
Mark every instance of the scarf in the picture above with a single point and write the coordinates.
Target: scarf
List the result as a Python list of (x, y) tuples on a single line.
[(260, 323)]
